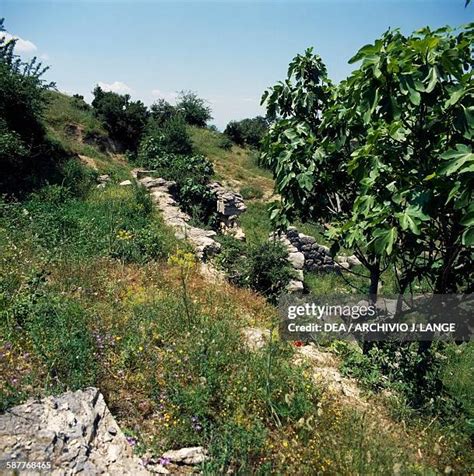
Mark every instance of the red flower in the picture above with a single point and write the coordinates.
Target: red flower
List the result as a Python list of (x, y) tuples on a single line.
[(298, 343)]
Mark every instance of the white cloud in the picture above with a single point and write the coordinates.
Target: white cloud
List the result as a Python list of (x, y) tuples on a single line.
[(44, 56), (169, 96), (21, 46), (116, 87)]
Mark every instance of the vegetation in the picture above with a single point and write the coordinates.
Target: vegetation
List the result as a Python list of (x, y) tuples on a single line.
[(385, 156), (124, 119), (193, 108), (262, 267), (27, 157), (247, 132)]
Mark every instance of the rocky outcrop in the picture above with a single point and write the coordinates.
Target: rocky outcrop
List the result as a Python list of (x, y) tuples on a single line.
[(229, 205), (163, 195), (74, 433)]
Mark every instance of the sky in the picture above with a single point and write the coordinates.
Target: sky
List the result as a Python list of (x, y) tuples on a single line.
[(229, 52)]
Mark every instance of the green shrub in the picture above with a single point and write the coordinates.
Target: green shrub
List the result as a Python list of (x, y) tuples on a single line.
[(125, 120), (176, 138), (27, 157), (248, 131), (261, 267), (225, 143), (191, 173), (250, 192), (425, 380)]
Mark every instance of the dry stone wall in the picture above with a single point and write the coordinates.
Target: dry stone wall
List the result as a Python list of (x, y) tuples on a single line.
[(163, 193), (305, 254), (229, 205)]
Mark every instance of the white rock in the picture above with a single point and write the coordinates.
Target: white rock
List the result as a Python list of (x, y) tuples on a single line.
[(125, 183), (192, 455), (295, 286), (296, 260), (353, 260)]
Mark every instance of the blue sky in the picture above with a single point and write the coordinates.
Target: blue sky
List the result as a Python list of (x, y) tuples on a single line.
[(227, 51)]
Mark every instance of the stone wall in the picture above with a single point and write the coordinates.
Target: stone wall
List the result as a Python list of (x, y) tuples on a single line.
[(162, 193), (305, 254), (229, 205)]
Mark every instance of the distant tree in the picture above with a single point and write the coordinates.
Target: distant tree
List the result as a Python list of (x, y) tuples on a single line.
[(248, 131), (124, 119), (193, 108), (161, 111), (79, 102)]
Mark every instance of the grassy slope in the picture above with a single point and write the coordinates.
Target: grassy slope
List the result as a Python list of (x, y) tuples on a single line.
[(84, 307), (236, 167), (81, 133)]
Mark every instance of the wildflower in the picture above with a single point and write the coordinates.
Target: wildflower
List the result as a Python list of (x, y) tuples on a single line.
[(298, 343), (131, 441), (164, 461), (184, 260), (124, 235)]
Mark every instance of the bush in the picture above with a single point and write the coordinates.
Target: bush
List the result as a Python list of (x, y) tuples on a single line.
[(175, 136), (426, 381), (193, 109), (225, 143), (125, 120), (27, 158), (250, 192), (191, 173), (248, 131), (261, 267), (161, 111)]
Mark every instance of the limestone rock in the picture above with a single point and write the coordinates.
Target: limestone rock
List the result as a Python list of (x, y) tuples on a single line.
[(74, 431), (125, 183), (295, 286), (296, 260), (353, 260), (192, 455), (256, 337)]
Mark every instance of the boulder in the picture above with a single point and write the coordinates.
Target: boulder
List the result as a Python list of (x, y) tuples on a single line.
[(74, 432), (295, 286), (353, 260)]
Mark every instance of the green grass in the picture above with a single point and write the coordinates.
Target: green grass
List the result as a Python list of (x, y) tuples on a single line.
[(236, 166), (255, 222)]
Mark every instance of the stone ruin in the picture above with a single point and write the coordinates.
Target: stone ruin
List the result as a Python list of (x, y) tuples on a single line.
[(305, 254), (162, 193), (229, 206)]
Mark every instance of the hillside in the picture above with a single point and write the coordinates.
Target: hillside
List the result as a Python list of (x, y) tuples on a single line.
[(97, 290)]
